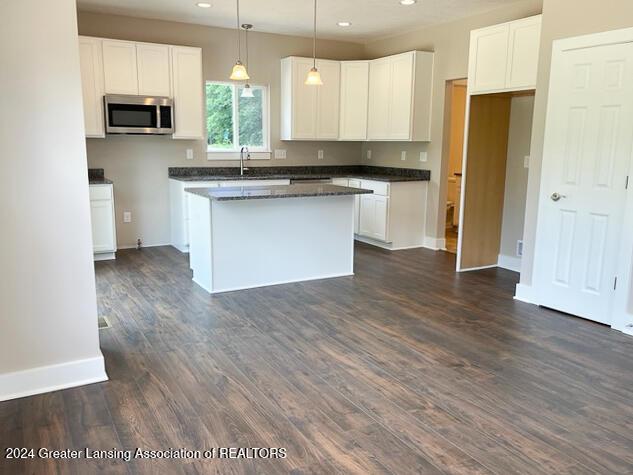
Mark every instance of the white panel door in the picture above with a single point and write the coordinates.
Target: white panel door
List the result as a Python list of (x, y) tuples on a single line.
[(587, 154), (367, 216), (102, 219), (381, 218), (153, 70), (328, 99), (188, 92), (354, 97), (401, 96), (304, 101), (91, 63), (119, 67), (379, 95), (488, 58), (524, 42)]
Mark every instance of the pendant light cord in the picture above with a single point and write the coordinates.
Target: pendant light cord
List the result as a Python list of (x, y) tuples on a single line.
[(314, 36), (239, 48), (246, 37)]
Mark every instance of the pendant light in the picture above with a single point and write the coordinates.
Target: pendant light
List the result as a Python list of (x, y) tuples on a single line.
[(239, 71), (247, 91), (314, 77)]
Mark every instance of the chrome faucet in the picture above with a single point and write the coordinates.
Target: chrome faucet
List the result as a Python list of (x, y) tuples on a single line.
[(243, 151)]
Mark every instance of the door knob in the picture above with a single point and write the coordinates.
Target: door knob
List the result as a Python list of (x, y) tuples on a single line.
[(557, 196)]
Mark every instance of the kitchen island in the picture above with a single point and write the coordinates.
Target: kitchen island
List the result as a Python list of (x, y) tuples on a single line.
[(246, 237)]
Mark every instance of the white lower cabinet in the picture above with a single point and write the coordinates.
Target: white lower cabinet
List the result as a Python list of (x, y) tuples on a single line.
[(179, 204), (374, 217), (102, 221), (394, 215)]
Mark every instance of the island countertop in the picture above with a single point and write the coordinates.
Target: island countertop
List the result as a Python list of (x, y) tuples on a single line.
[(297, 190)]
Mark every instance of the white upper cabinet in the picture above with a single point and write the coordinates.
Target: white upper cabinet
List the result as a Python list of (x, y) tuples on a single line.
[(119, 67), (504, 57), (379, 94), (186, 67), (400, 88), (153, 68), (328, 100), (523, 49), (354, 98), (309, 112), (91, 64)]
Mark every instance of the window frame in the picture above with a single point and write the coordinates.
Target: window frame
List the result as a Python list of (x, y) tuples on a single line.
[(260, 152)]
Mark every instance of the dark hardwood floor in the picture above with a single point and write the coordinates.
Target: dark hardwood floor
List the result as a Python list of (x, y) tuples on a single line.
[(404, 368)]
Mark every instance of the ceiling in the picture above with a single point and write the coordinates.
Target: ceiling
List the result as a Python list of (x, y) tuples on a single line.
[(370, 18)]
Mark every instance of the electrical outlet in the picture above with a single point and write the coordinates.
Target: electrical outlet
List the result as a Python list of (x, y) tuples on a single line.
[(189, 154), (403, 155), (368, 154), (320, 154), (280, 154), (424, 156), (127, 216), (526, 161)]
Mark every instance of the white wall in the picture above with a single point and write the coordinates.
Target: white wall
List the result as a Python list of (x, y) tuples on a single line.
[(48, 313), (521, 113)]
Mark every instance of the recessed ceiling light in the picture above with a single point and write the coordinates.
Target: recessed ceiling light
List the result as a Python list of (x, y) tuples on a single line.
[(407, 2), (203, 5), (344, 23)]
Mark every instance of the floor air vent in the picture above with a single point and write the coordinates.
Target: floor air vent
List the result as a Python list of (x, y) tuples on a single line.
[(104, 323)]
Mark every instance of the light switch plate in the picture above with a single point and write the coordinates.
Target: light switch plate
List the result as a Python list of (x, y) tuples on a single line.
[(368, 154), (424, 156), (526, 161), (189, 154), (403, 155), (280, 154), (320, 154), (127, 216)]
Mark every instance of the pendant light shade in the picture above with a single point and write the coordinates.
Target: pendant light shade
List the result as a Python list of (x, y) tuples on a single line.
[(239, 71), (247, 91), (314, 77)]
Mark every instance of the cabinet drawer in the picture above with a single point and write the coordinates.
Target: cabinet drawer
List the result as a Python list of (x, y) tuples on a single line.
[(244, 183), (340, 181), (378, 187), (100, 192)]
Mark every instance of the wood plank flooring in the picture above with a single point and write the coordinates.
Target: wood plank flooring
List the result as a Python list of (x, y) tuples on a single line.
[(404, 368)]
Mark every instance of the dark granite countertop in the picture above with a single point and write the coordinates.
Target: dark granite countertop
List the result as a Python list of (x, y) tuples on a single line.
[(387, 174), (298, 190), (96, 177)]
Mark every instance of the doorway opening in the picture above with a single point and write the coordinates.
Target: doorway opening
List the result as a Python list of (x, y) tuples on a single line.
[(496, 161), (454, 120)]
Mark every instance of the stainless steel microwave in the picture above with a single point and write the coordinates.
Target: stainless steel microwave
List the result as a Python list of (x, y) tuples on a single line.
[(139, 115)]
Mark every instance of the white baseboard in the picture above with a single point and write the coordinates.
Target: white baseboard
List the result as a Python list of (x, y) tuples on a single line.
[(133, 246), (525, 293), (279, 282), (45, 379), (478, 268), (435, 244), (386, 245), (104, 256), (512, 263)]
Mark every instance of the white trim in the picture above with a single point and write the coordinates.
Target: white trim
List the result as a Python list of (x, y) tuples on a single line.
[(232, 155), (512, 263), (436, 244), (390, 247), (478, 268), (104, 256), (45, 379), (281, 282), (133, 246), (525, 293)]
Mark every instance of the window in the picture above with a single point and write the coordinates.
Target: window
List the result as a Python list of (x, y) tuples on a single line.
[(234, 121)]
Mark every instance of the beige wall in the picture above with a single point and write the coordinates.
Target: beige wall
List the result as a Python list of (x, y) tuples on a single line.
[(48, 310), (561, 19), (138, 165), (519, 135), (450, 42)]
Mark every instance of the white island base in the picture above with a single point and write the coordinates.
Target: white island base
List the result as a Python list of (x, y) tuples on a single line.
[(242, 244)]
